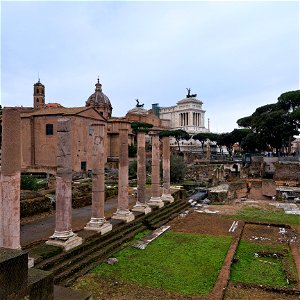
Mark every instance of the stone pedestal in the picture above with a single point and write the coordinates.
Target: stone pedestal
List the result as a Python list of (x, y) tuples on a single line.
[(63, 235), (98, 222), (123, 213), (30, 262), (10, 180), (141, 205), (67, 242), (166, 196), (155, 200)]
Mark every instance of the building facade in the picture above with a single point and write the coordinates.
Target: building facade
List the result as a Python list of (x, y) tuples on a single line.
[(39, 130), (187, 115)]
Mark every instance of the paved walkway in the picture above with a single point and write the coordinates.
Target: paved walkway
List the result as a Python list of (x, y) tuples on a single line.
[(42, 229)]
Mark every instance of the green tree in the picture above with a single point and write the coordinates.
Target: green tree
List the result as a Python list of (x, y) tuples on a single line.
[(177, 168), (178, 134), (273, 124), (202, 137)]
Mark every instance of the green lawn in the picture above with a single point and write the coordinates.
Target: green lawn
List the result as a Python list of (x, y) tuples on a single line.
[(261, 270), (272, 215), (185, 263)]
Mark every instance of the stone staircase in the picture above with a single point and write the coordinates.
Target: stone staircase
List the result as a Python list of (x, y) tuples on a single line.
[(66, 267)]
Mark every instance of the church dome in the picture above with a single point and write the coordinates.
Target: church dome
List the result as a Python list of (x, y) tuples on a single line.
[(100, 101), (138, 111)]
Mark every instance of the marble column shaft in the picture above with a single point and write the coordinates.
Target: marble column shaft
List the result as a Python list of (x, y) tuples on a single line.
[(10, 179), (63, 235), (155, 166), (155, 199), (141, 167), (98, 187), (166, 196), (98, 221), (166, 165), (123, 171), (141, 205), (123, 213), (63, 179)]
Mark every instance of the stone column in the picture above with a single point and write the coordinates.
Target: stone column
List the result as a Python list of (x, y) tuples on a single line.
[(98, 221), (155, 200), (10, 179), (123, 213), (141, 205), (64, 236), (166, 196)]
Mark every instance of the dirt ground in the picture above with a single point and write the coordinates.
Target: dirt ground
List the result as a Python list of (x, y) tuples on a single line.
[(199, 223)]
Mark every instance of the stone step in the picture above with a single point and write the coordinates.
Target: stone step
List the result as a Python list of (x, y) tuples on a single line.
[(66, 267), (56, 269), (80, 268), (88, 243), (164, 210), (61, 292), (161, 219)]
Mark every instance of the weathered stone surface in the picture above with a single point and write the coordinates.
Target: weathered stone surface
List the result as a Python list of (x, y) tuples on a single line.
[(13, 272), (141, 205), (40, 285), (11, 141), (10, 210), (63, 235), (122, 212), (155, 199), (287, 171), (166, 196)]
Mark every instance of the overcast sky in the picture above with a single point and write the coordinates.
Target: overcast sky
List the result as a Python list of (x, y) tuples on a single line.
[(236, 56)]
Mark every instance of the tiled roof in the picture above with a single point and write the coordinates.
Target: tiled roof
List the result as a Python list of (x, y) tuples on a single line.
[(55, 111)]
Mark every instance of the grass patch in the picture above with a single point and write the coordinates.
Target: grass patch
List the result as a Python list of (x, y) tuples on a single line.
[(185, 263), (261, 270), (272, 215)]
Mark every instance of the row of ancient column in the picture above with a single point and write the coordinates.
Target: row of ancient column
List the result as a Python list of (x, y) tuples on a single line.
[(63, 235)]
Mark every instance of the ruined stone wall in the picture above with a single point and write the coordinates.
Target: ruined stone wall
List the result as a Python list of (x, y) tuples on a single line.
[(26, 144), (237, 189), (256, 189), (287, 173), (200, 171), (268, 188)]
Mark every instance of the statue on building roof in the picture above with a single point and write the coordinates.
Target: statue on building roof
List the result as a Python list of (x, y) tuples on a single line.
[(189, 95), (138, 103)]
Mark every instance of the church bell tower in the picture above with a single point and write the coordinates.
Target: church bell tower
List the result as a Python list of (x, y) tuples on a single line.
[(38, 95)]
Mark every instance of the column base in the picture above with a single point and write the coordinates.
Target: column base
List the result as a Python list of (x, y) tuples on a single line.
[(155, 202), (68, 242), (167, 198), (124, 215), (30, 262), (142, 207), (99, 224)]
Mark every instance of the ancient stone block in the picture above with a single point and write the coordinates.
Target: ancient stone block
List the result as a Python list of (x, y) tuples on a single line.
[(13, 272)]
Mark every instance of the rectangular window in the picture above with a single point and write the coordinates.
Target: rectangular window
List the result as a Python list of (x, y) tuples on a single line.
[(83, 166), (49, 129)]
